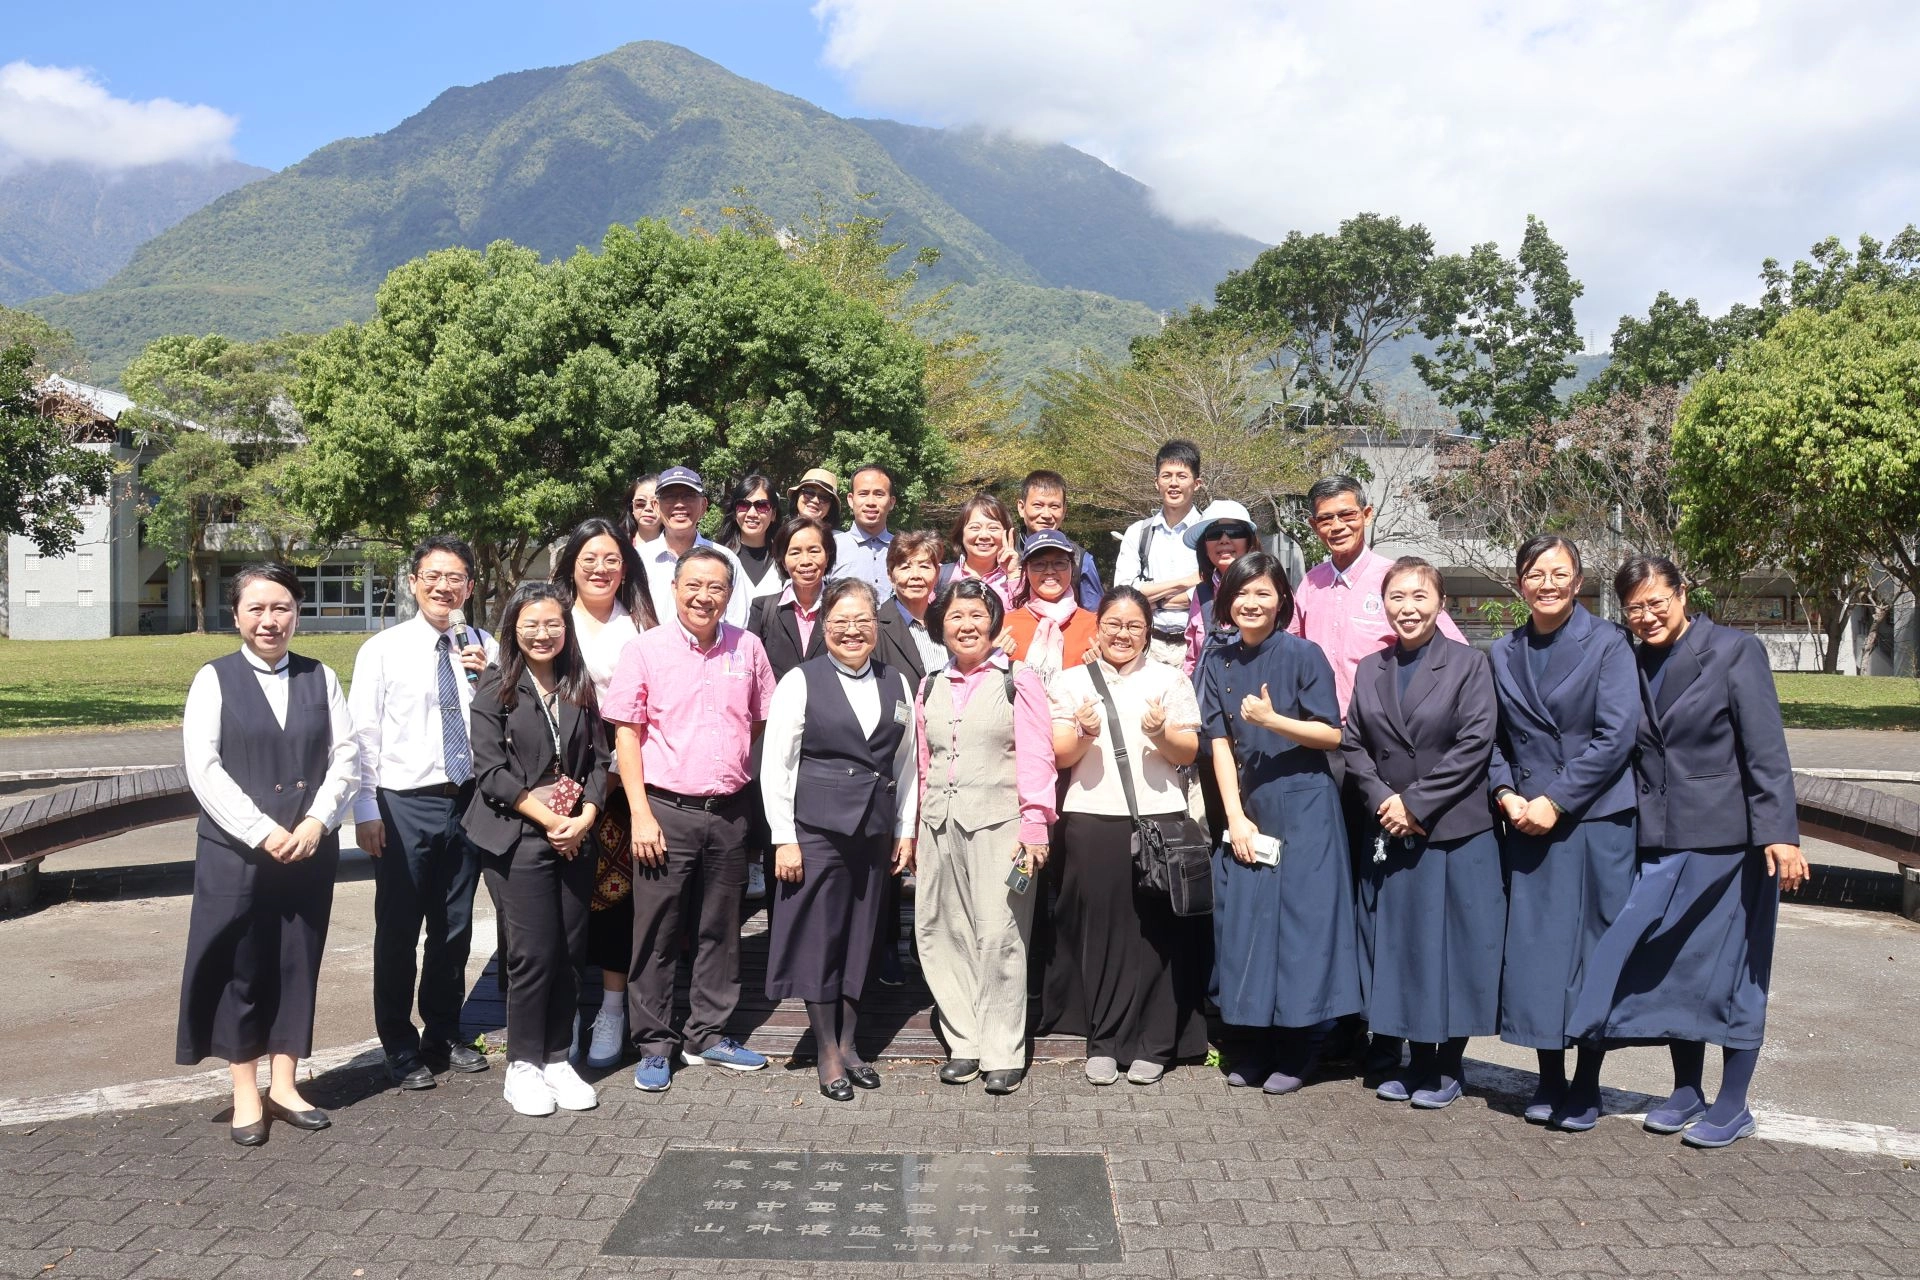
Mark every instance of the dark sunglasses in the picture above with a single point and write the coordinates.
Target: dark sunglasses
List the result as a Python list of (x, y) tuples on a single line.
[(1228, 529), (753, 504)]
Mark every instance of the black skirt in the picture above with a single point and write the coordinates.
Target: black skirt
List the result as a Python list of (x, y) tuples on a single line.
[(820, 940), (255, 937)]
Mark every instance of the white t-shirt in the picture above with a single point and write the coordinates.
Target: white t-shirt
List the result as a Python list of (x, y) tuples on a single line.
[(601, 643), (1094, 785)]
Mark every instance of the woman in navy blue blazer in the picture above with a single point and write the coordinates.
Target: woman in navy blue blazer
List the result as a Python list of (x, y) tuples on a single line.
[(1689, 959), (1569, 706), (1418, 736)]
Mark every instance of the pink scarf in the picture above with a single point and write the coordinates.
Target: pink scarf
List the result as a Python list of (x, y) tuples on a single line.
[(1048, 650)]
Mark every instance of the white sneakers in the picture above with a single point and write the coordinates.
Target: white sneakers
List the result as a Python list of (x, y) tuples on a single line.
[(756, 879), (609, 1038), (534, 1091)]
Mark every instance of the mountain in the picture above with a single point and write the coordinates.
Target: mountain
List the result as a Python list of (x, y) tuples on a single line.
[(551, 157), (65, 227)]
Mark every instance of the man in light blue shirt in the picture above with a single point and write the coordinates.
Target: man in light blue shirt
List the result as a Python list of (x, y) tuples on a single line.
[(861, 552)]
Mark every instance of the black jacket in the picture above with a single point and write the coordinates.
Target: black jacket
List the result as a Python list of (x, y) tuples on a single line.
[(779, 633), (894, 644), (512, 751), (1430, 748), (1711, 755)]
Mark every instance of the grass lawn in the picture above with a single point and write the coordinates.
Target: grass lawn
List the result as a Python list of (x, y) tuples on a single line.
[(126, 683), (1813, 701)]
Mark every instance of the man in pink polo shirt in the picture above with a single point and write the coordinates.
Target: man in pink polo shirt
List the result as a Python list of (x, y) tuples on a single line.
[(1337, 604), (687, 700)]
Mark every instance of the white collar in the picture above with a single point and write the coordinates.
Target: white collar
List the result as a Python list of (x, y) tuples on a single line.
[(261, 668), (864, 673)]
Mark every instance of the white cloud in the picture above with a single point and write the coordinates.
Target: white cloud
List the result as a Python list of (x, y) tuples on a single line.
[(1666, 145), (53, 114)]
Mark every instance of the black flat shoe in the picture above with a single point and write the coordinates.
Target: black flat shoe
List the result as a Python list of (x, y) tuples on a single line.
[(864, 1077), (456, 1057), (410, 1073), (313, 1119), (837, 1091), (1004, 1081), (250, 1135), (959, 1070)]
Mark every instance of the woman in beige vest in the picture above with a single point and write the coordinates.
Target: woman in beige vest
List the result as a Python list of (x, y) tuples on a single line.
[(987, 799)]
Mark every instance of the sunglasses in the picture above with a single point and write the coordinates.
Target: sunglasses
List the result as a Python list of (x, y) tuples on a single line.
[(753, 504), (1219, 531)]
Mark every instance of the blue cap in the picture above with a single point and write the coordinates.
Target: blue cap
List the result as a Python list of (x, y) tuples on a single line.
[(686, 477), (1046, 540)]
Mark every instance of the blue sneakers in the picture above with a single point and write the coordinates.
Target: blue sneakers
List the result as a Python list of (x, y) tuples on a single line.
[(653, 1075), (730, 1054)]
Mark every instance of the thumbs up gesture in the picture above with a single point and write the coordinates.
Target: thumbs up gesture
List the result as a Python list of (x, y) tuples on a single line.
[(1258, 711)]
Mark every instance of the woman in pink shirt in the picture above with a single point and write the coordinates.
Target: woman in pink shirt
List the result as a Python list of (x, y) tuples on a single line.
[(987, 800), (984, 534)]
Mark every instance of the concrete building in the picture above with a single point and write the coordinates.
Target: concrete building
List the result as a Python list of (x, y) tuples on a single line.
[(114, 584)]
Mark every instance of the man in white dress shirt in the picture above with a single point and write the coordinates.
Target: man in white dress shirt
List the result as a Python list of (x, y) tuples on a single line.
[(1154, 558), (682, 499), (411, 694)]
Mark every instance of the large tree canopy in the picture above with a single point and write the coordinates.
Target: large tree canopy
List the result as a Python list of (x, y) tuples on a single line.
[(46, 476)]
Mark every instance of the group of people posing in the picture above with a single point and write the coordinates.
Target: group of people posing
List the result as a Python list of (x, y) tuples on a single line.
[(1575, 841)]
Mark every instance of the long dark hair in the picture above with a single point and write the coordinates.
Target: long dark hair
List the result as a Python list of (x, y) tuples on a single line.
[(742, 490), (628, 527), (570, 678), (632, 593), (1254, 564)]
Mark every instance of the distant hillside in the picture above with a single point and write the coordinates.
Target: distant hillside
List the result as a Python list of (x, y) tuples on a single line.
[(1036, 329), (64, 227), (551, 157)]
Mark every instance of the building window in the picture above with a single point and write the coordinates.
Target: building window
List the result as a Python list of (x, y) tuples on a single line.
[(86, 562), (33, 597), (84, 597), (341, 591), (33, 557)]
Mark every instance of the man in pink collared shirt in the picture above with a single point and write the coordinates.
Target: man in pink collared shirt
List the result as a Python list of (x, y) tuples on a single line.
[(1337, 604), (687, 701)]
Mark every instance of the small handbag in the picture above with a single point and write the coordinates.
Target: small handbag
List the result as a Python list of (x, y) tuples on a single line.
[(1171, 852), (562, 795)]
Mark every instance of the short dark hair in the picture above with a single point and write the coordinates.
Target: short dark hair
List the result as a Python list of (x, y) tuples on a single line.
[(281, 575), (1418, 567), (1185, 452), (701, 551), (1117, 596), (1329, 487), (743, 489), (1043, 480), (1242, 572), (964, 589), (915, 542), (893, 481), (569, 668), (1640, 569), (442, 542), (1538, 545), (792, 529), (632, 593), (840, 588)]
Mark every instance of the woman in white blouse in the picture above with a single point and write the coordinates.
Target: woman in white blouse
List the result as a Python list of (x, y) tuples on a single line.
[(601, 572), (838, 774), (270, 757), (1141, 970)]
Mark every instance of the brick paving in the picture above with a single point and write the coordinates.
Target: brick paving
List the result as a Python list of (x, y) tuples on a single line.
[(1207, 1182)]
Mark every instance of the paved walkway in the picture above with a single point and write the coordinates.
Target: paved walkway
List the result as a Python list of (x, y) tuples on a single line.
[(1206, 1182)]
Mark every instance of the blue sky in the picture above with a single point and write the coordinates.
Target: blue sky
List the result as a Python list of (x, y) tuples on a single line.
[(300, 76)]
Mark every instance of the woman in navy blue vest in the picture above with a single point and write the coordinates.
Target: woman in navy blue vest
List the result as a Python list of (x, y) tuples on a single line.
[(1689, 960), (837, 772), (1418, 736), (1569, 706), (270, 757)]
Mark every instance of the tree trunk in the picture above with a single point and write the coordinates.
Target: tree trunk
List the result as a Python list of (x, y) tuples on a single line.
[(1834, 624), (199, 579)]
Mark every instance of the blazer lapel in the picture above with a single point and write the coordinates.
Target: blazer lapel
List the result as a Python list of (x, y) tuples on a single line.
[(1563, 657), (1386, 688), (1522, 673), (1683, 667)]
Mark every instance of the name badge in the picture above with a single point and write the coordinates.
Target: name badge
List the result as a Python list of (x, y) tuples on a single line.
[(902, 714)]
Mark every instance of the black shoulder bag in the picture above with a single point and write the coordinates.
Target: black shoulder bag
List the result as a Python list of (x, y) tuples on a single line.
[(1171, 852)]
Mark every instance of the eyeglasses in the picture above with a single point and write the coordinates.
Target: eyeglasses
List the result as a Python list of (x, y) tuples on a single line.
[(590, 563), (754, 504), (1326, 519), (643, 504), (1647, 608), (1121, 630), (858, 627), (1537, 578), (534, 630), (433, 578), (1048, 566), (1220, 532)]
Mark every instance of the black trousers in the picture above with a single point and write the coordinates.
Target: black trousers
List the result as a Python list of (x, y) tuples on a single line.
[(426, 877), (543, 900), (710, 847)]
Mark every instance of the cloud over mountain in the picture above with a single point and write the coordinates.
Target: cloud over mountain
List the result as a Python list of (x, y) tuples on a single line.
[(64, 115)]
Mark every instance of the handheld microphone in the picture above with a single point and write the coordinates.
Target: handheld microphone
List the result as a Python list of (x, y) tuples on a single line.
[(463, 637)]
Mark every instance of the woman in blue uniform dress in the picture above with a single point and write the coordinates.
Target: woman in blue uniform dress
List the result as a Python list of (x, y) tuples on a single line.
[(1286, 956), (1689, 959), (1569, 706), (1419, 733)]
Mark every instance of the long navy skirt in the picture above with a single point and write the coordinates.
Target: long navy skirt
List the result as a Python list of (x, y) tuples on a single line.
[(820, 940), (1286, 943), (1691, 955), (1564, 891), (255, 937), (1439, 918)]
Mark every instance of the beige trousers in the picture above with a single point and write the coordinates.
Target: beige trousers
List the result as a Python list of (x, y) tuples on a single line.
[(973, 933)]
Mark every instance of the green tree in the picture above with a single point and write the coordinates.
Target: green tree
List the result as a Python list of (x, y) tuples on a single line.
[(54, 349), (1805, 449), (1337, 299), (1672, 346), (46, 473), (1824, 278), (1504, 329), (195, 486)]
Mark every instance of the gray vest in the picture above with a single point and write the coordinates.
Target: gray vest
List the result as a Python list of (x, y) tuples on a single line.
[(984, 790)]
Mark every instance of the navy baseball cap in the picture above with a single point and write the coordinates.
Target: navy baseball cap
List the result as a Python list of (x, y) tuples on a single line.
[(1045, 540), (685, 477)]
